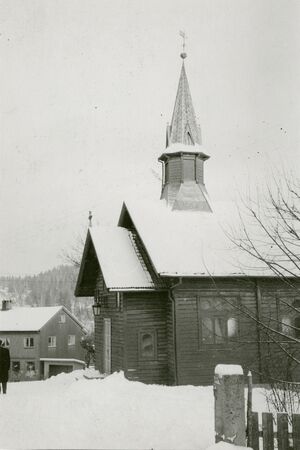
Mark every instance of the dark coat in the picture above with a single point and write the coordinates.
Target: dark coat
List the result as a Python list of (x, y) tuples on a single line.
[(4, 364)]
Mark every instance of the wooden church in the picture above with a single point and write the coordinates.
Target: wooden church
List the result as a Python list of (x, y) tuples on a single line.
[(168, 285)]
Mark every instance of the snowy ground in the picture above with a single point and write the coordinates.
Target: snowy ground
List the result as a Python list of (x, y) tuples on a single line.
[(70, 411)]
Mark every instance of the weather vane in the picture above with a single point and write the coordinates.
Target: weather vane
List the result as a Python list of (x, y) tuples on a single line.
[(183, 35), (90, 218)]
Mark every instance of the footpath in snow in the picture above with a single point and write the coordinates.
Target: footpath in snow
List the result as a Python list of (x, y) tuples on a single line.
[(70, 411)]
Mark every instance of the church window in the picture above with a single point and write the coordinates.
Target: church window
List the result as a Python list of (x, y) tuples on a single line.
[(218, 325), (147, 345)]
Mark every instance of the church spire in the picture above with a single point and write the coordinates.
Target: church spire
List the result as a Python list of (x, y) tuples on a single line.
[(183, 128), (183, 160)]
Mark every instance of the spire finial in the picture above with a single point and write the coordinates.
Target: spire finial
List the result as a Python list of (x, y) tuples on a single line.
[(90, 218), (183, 55)]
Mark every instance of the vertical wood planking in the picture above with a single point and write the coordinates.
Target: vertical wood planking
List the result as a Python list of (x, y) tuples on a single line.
[(282, 431), (254, 432), (296, 431), (268, 433)]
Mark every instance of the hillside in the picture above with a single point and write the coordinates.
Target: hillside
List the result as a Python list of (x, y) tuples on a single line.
[(54, 287)]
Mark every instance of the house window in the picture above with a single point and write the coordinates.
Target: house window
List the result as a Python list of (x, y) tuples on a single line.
[(30, 369), (52, 341), (6, 341), (28, 342), (15, 366), (71, 339), (62, 318), (148, 345)]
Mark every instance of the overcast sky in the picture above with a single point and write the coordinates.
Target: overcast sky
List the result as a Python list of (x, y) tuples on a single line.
[(87, 88)]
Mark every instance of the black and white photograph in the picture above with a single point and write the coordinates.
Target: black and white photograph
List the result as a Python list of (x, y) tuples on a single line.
[(150, 224)]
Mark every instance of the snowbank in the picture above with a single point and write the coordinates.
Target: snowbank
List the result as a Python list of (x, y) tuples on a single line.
[(71, 411)]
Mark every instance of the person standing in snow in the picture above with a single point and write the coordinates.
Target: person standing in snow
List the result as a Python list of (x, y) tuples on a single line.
[(4, 366)]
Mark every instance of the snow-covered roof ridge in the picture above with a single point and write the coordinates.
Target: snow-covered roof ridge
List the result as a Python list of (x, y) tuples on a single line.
[(121, 264), (189, 243), (27, 318)]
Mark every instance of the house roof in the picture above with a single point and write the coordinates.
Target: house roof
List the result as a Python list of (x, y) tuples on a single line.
[(29, 318)]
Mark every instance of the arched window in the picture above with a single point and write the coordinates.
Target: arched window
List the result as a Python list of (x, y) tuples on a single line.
[(232, 328)]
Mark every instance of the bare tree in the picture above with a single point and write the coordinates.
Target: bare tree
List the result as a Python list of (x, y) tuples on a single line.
[(269, 235)]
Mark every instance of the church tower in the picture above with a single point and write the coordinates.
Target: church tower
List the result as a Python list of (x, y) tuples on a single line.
[(183, 185)]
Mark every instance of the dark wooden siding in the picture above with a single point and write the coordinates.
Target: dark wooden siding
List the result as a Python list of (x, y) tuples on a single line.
[(146, 311), (275, 296), (110, 310), (174, 170), (171, 341), (254, 349), (199, 170), (196, 361), (189, 170)]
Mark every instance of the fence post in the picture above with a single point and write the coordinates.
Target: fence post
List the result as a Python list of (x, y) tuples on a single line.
[(229, 404)]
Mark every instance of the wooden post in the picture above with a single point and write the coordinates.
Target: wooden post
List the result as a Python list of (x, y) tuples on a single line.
[(229, 404), (282, 431), (268, 431), (296, 431), (254, 434), (249, 410)]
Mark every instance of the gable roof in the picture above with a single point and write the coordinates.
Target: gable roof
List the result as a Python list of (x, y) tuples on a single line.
[(119, 258), (27, 318), (189, 243), (31, 318)]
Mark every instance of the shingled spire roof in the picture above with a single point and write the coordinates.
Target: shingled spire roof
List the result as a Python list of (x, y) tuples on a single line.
[(183, 160), (183, 128)]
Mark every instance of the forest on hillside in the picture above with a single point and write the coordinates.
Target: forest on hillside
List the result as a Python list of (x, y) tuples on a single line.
[(50, 288)]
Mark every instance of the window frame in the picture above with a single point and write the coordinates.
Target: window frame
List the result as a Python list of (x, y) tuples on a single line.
[(71, 344), (26, 340), (154, 355), (6, 341), (225, 314), (27, 369), (15, 361), (53, 341), (62, 318)]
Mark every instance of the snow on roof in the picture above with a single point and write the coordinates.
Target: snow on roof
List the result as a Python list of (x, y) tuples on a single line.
[(184, 243), (27, 318), (119, 260)]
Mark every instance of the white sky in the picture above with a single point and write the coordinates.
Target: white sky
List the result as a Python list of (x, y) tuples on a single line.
[(87, 88)]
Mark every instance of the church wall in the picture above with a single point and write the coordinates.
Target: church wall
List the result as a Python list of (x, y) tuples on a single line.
[(146, 347), (113, 311), (197, 354), (198, 351)]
